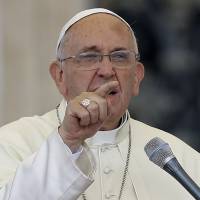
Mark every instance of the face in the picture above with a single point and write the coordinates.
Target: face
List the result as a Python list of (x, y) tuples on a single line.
[(101, 33)]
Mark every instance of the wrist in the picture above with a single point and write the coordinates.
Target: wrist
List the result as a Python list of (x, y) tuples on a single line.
[(73, 144)]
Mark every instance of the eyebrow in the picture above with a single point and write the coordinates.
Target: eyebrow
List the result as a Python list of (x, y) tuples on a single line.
[(90, 48), (95, 48), (119, 49)]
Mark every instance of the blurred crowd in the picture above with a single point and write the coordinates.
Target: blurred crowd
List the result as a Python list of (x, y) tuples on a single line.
[(168, 34)]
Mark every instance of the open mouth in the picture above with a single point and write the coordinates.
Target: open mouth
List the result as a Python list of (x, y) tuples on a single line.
[(113, 92)]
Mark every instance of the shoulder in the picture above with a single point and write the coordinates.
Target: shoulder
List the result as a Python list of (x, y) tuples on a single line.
[(147, 132), (188, 157), (143, 133), (28, 132)]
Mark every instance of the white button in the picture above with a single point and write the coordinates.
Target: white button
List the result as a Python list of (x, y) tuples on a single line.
[(107, 170), (109, 195), (105, 148)]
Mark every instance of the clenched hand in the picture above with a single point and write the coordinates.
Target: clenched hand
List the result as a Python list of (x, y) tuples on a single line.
[(83, 122)]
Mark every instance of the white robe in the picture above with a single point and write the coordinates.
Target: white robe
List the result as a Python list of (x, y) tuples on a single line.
[(36, 165)]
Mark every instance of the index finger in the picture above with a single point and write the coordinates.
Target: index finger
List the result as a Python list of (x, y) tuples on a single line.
[(106, 88)]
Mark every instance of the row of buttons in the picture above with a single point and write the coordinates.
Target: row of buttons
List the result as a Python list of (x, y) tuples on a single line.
[(107, 170)]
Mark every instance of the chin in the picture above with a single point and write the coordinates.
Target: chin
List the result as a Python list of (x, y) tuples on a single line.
[(114, 117), (109, 125)]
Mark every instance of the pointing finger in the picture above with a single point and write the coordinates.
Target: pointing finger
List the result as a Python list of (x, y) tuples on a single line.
[(106, 88)]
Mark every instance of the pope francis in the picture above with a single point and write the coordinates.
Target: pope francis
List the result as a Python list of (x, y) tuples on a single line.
[(88, 147)]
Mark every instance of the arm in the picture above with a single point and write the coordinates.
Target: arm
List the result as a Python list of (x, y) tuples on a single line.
[(51, 173)]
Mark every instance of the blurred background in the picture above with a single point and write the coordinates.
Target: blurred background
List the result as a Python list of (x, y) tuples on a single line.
[(168, 34)]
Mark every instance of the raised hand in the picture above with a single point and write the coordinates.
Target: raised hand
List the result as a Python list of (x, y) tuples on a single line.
[(81, 122)]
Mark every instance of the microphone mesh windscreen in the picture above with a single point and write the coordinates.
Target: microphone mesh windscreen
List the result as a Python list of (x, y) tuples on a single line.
[(158, 151)]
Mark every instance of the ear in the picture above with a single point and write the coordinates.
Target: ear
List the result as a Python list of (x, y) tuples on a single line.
[(57, 74), (138, 77)]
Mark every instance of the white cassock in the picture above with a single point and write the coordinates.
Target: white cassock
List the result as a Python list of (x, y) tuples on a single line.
[(35, 164)]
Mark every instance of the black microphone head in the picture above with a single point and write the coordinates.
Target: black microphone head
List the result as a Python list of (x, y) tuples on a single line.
[(158, 151)]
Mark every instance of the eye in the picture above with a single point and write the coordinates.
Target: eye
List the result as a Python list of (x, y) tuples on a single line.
[(120, 56), (87, 56)]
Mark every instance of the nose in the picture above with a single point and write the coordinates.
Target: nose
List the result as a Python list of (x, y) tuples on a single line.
[(106, 68)]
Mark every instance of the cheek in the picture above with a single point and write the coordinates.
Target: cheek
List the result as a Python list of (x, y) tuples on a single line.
[(127, 82), (76, 82)]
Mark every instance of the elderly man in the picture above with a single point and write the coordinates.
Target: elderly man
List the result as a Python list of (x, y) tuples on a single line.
[(89, 147)]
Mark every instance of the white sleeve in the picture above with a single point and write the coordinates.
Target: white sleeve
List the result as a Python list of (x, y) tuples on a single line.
[(51, 174)]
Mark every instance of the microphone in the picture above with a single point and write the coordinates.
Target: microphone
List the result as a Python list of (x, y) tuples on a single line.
[(160, 153)]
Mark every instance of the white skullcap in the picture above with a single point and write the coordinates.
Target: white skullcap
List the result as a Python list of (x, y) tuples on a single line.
[(83, 14)]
